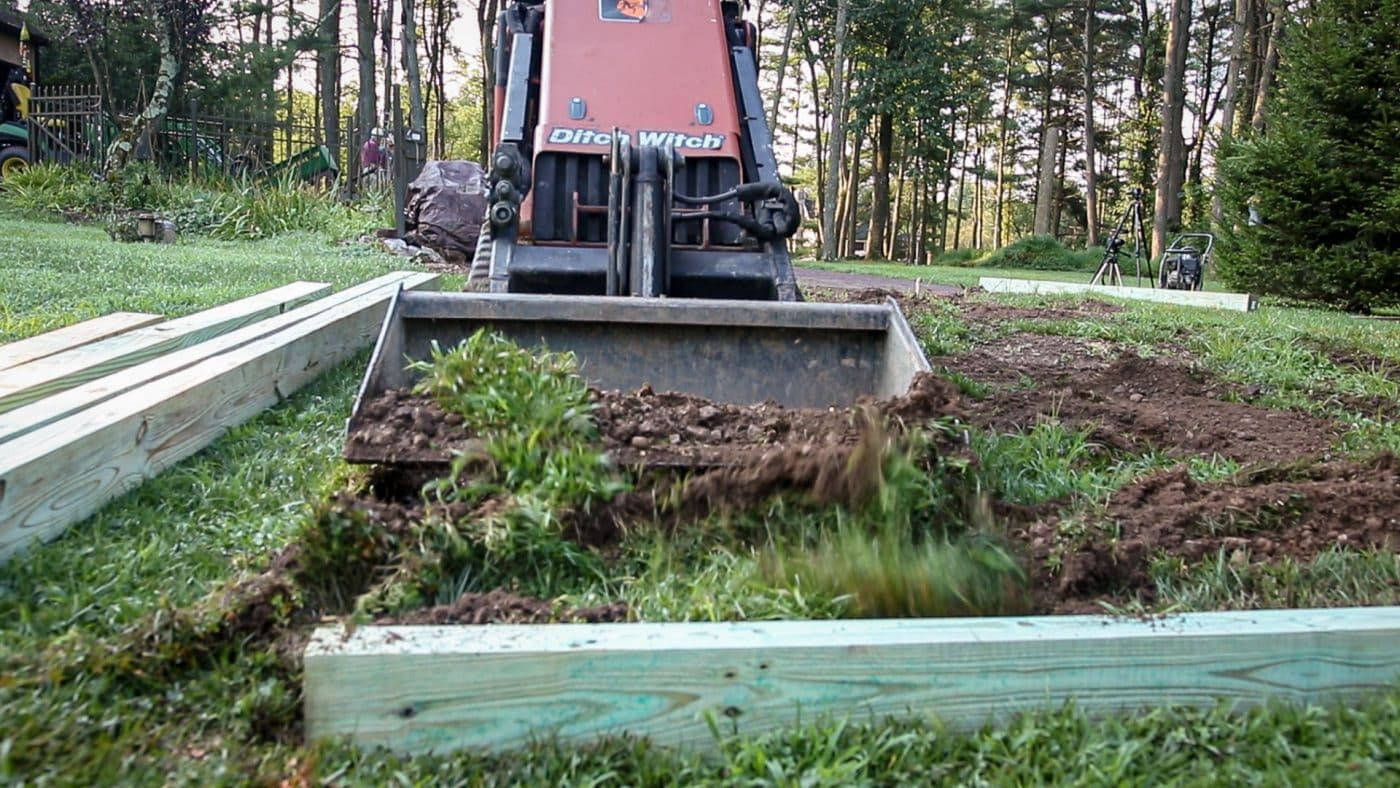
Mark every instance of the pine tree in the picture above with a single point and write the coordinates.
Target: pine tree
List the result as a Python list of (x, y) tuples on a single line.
[(1312, 206)]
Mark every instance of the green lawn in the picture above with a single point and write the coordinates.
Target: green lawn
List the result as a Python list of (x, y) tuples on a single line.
[(964, 276), (98, 686), (57, 274)]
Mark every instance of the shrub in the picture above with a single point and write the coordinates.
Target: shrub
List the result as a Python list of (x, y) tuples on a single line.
[(1042, 253), (962, 258), (1312, 207)]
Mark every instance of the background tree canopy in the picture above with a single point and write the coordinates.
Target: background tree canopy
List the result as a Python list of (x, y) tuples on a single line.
[(948, 126), (1324, 180)]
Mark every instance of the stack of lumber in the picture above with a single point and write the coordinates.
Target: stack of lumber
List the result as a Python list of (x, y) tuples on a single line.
[(90, 411)]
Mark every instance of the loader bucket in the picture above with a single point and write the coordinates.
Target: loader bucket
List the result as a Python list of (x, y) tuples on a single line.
[(799, 355)]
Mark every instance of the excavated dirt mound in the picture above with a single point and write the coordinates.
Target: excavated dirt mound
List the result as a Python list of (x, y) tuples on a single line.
[(1135, 403), (671, 429), (1266, 515), (983, 311), (1034, 359), (401, 427), (663, 429)]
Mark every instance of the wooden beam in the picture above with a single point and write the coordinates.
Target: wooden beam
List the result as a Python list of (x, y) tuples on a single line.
[(63, 472), (39, 378), (419, 689), (25, 350), (31, 417), (1240, 302)]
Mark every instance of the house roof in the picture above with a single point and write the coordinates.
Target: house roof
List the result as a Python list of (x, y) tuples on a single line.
[(11, 22)]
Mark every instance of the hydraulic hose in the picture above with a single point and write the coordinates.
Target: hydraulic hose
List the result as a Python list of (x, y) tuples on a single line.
[(788, 216)]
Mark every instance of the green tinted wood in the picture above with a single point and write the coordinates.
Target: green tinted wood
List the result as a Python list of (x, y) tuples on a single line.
[(28, 418), (496, 687), (25, 350), (64, 370), (65, 471)]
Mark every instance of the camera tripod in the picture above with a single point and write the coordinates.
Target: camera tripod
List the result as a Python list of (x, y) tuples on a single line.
[(1109, 271)]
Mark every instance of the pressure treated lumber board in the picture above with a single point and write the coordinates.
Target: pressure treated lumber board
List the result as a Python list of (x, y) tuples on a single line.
[(42, 377), (25, 350), (1239, 302), (418, 689), (63, 472), (28, 418)]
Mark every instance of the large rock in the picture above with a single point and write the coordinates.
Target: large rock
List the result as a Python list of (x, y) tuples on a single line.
[(446, 207)]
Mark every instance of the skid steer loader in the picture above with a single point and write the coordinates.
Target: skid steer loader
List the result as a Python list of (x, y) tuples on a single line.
[(637, 219)]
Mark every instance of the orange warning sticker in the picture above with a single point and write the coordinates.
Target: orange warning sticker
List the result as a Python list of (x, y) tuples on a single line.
[(623, 10)]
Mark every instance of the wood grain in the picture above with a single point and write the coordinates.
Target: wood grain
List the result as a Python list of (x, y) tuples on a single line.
[(1239, 302), (63, 370), (417, 689), (31, 417), (25, 350), (63, 472)]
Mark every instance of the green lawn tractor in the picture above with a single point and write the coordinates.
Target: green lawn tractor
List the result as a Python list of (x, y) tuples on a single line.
[(14, 147)]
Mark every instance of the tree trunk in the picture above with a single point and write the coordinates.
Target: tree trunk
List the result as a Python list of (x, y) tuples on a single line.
[(962, 187), (417, 116), (999, 196), (793, 14), (1267, 68), (818, 121), (1238, 33), (1091, 197), (979, 201), (1167, 209), (916, 214), (1045, 192), (365, 30), (1144, 157), (486, 13), (947, 186), (119, 153), (1057, 197), (836, 144), (852, 200), (291, 82), (880, 197), (328, 73), (386, 43), (899, 212), (1206, 103)]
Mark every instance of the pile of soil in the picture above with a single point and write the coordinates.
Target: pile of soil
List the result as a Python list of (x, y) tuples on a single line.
[(1134, 403), (399, 426), (681, 430), (1267, 515), (656, 429)]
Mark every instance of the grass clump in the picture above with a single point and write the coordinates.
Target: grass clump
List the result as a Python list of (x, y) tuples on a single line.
[(1051, 462), (1231, 581), (532, 409), (503, 513), (922, 544)]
